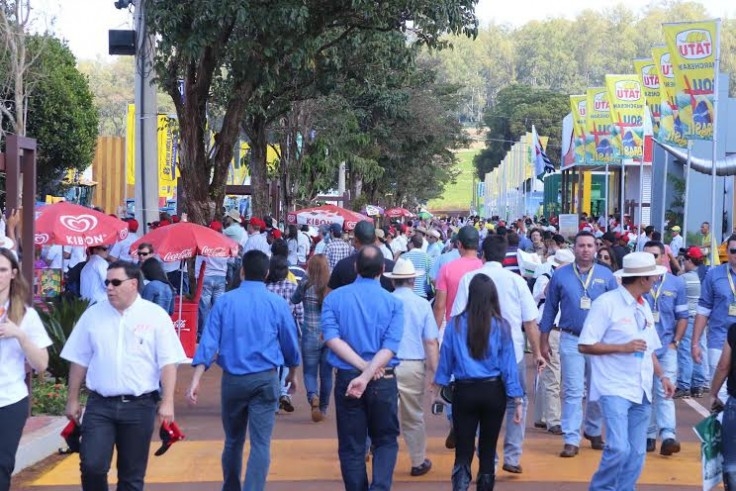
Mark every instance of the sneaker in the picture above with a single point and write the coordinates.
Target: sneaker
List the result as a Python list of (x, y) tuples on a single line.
[(681, 394), (697, 392), (285, 404), (421, 469), (555, 430)]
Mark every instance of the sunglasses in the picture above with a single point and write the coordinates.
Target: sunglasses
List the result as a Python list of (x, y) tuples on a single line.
[(656, 256), (144, 254), (116, 282), (732, 250), (605, 258)]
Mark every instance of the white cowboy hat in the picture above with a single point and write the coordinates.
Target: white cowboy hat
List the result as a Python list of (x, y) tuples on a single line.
[(640, 264), (403, 270), (233, 213), (561, 257), (420, 229), (434, 233)]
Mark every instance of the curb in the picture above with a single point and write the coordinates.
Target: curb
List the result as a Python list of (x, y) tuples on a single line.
[(39, 444)]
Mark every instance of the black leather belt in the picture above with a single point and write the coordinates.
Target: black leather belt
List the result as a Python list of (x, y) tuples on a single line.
[(411, 359), (126, 397), (484, 380), (569, 331)]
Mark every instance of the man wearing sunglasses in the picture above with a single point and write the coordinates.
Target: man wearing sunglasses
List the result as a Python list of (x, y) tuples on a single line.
[(145, 250), (124, 348)]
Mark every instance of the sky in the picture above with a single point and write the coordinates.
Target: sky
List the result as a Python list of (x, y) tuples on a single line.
[(84, 23)]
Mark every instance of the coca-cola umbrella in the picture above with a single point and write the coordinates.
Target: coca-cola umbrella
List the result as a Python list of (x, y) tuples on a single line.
[(184, 240), (326, 215), (68, 224), (399, 213)]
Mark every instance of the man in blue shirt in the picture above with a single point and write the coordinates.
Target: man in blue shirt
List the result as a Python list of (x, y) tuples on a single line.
[(668, 301), (362, 324), (571, 291), (251, 332)]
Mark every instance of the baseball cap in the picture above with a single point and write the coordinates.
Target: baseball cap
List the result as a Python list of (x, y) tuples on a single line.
[(365, 232), (132, 225), (216, 226), (256, 222), (693, 252), (335, 228), (676, 228), (169, 434), (71, 435), (469, 237)]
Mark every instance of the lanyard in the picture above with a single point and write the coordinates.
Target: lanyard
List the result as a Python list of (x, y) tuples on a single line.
[(659, 291), (587, 280), (730, 282)]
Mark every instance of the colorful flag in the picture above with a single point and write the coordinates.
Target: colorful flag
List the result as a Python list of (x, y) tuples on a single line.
[(600, 146), (649, 78), (578, 105), (130, 145), (542, 163), (670, 127), (693, 47), (167, 156), (628, 114)]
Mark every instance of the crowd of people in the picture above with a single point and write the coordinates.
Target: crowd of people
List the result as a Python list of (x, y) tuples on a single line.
[(378, 321)]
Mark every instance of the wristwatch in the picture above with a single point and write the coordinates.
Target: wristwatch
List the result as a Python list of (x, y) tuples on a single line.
[(675, 342), (518, 401)]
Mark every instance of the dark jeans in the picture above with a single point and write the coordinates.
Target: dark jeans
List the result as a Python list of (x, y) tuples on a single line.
[(375, 415), (13, 419), (109, 422), (248, 399), (474, 404)]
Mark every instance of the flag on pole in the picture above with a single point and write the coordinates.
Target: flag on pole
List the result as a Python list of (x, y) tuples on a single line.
[(542, 163)]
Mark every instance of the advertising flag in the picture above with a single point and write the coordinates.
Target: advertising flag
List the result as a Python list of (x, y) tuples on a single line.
[(670, 127), (542, 163), (649, 78), (578, 105), (693, 47), (628, 112), (130, 145), (599, 142), (167, 157)]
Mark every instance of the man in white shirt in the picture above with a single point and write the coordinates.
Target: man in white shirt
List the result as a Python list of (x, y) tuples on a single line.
[(519, 309), (121, 250), (256, 240), (54, 256), (677, 241), (233, 228), (124, 349), (620, 337), (92, 278)]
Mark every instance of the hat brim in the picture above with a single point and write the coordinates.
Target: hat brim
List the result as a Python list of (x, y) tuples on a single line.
[(658, 271), (6, 243), (403, 276)]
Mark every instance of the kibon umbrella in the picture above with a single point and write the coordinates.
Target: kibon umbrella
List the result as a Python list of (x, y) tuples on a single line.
[(399, 213), (74, 225), (326, 215)]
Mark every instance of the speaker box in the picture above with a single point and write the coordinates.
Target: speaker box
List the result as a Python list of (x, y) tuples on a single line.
[(121, 42)]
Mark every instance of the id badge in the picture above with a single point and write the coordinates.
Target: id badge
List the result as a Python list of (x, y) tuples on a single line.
[(585, 303), (655, 314), (732, 309)]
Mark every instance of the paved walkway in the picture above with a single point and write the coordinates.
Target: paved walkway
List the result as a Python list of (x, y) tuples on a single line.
[(304, 452)]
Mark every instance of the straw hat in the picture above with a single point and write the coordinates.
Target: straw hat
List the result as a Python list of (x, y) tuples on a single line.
[(640, 264), (403, 270), (233, 213)]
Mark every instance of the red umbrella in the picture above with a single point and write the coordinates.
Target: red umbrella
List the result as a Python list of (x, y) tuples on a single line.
[(184, 240), (399, 213), (73, 225), (325, 215)]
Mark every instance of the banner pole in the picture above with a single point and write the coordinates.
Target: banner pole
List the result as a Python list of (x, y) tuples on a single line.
[(687, 189), (605, 212), (664, 188), (641, 193), (623, 195), (713, 243)]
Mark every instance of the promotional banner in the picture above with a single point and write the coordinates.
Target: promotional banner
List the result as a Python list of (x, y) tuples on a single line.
[(648, 75), (130, 145), (599, 142), (693, 50), (670, 128), (628, 110), (167, 156), (578, 106)]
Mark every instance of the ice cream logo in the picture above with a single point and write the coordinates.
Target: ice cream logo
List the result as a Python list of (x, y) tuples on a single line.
[(694, 44), (627, 90)]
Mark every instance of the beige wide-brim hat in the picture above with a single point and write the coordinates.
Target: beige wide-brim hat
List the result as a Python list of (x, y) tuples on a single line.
[(640, 264), (403, 270), (562, 257), (234, 215)]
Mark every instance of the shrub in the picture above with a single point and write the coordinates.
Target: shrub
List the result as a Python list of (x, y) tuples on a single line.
[(59, 317)]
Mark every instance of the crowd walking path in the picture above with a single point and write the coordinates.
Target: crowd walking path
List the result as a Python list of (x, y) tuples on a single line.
[(304, 455)]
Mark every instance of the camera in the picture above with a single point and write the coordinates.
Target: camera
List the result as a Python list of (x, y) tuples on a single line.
[(438, 408)]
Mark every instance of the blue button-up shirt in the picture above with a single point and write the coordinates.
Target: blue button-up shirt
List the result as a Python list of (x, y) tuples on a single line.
[(715, 297), (671, 305), (441, 261), (565, 291), (366, 317), (500, 360), (419, 324), (250, 330)]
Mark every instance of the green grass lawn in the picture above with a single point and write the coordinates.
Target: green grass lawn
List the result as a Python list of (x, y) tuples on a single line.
[(458, 196)]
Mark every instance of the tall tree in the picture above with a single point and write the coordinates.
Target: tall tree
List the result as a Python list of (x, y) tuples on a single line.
[(237, 47)]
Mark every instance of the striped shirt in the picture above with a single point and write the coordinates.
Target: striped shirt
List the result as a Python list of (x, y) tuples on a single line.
[(692, 290)]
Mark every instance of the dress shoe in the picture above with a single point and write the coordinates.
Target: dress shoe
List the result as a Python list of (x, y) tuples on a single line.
[(651, 444), (697, 392), (461, 478), (540, 424), (596, 442), (569, 451), (421, 469), (317, 415), (556, 430), (669, 446), (485, 482), (514, 469), (450, 440), (285, 404), (681, 394)]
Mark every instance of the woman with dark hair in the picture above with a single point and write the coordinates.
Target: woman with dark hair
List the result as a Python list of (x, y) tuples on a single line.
[(23, 339), (158, 289), (478, 350), (606, 256), (311, 291), (292, 241)]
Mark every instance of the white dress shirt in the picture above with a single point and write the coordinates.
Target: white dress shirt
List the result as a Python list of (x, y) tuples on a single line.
[(54, 256), (258, 242), (516, 301), (617, 318), (124, 353), (77, 254), (92, 279), (121, 249), (12, 366)]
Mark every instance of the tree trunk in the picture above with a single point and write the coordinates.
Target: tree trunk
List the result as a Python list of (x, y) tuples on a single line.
[(260, 197)]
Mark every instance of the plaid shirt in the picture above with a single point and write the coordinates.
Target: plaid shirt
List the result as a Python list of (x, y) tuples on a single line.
[(337, 250), (285, 289), (306, 295)]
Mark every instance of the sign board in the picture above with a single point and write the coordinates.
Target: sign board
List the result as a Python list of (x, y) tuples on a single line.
[(569, 225)]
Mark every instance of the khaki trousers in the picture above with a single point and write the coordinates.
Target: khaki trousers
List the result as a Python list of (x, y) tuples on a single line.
[(411, 383), (547, 406)]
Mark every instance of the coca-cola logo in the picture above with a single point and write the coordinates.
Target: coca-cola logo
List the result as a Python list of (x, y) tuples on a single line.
[(40, 239), (178, 256), (79, 223), (215, 251)]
